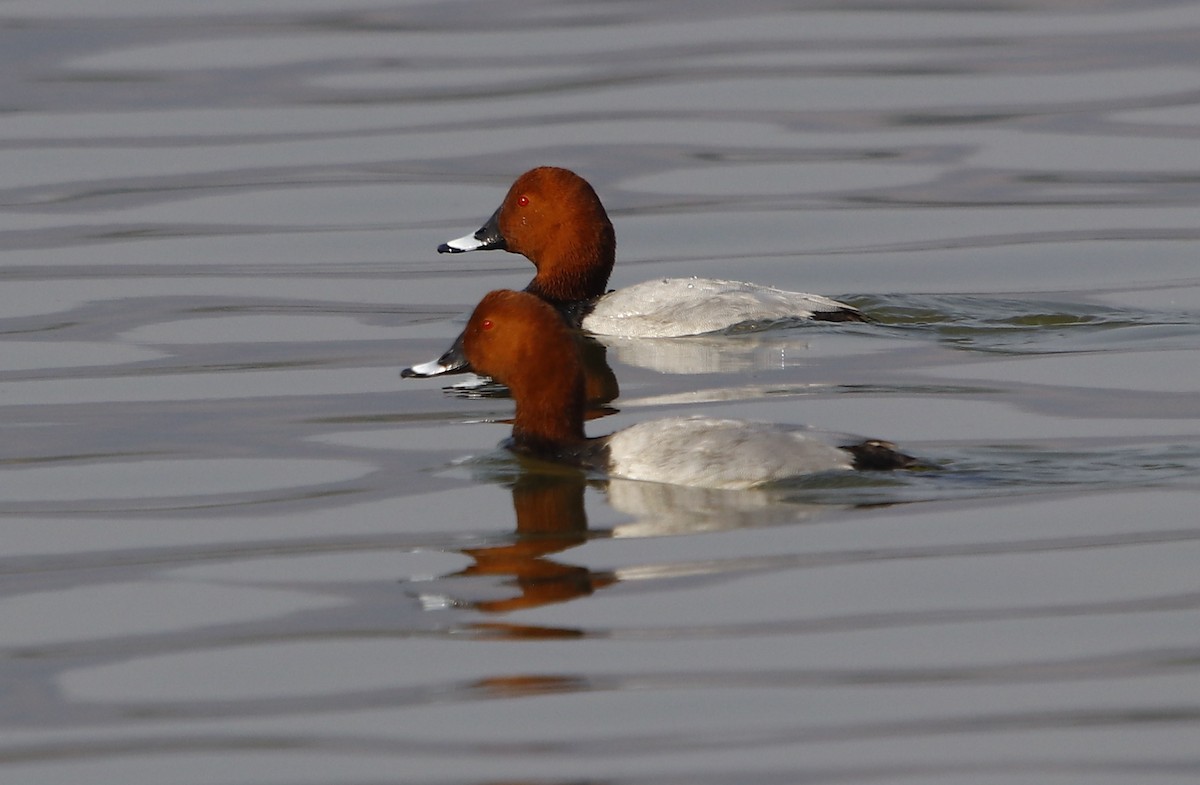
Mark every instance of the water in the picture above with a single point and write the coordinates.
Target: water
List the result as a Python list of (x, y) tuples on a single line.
[(238, 548)]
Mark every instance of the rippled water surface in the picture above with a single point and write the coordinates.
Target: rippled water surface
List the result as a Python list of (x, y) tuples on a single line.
[(238, 548)]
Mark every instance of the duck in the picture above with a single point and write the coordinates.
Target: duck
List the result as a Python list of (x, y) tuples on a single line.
[(521, 341), (554, 218)]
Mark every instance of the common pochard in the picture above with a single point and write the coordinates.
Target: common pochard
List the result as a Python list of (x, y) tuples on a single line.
[(553, 217), (521, 341)]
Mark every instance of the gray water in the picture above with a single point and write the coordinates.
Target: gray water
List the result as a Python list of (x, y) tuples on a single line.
[(237, 548)]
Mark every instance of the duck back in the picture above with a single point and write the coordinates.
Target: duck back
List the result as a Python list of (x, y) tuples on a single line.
[(673, 307)]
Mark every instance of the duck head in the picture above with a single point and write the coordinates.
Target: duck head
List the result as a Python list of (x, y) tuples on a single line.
[(552, 217)]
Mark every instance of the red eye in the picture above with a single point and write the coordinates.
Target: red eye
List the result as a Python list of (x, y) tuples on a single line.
[(523, 200), (487, 324)]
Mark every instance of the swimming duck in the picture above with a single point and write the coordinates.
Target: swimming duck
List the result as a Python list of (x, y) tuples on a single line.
[(521, 341), (553, 217)]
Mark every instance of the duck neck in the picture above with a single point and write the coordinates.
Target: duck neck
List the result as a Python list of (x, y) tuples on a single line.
[(549, 417), (576, 267)]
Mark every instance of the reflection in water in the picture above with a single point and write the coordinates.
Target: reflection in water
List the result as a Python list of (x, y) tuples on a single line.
[(659, 509), (550, 518), (770, 348), (600, 383)]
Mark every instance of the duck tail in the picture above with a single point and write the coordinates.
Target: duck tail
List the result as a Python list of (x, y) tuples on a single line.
[(879, 455)]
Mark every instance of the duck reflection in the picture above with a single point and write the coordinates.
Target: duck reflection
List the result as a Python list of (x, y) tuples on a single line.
[(550, 518), (660, 510), (720, 352)]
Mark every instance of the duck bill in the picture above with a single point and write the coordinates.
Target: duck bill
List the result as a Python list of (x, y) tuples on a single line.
[(453, 360), (488, 238)]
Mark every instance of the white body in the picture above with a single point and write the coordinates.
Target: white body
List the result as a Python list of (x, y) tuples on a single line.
[(671, 307), (713, 453)]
